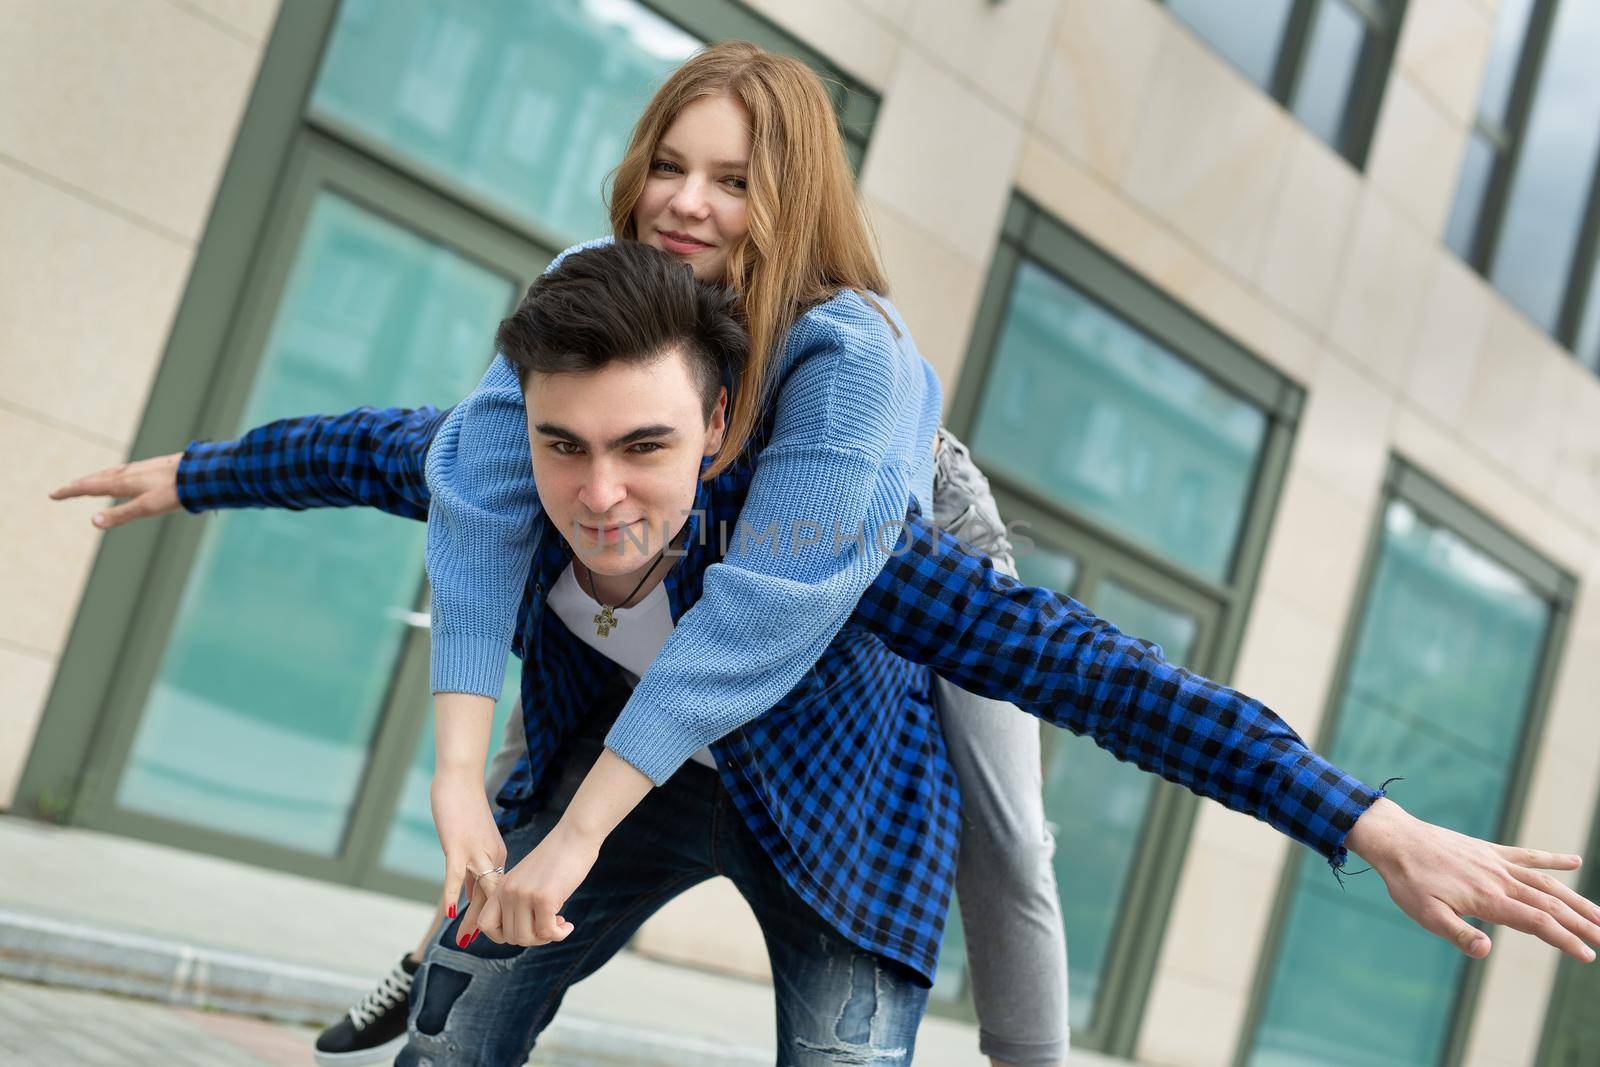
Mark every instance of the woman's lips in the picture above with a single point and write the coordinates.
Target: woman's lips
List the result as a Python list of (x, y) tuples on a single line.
[(682, 246)]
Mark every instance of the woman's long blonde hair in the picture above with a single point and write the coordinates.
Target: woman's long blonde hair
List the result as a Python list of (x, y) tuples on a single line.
[(808, 236)]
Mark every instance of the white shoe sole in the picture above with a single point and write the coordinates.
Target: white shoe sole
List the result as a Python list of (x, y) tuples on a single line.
[(384, 1053)]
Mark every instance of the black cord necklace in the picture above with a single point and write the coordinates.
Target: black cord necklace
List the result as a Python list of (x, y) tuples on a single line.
[(607, 620)]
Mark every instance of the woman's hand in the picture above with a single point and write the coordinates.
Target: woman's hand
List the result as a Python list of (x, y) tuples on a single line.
[(152, 485), (525, 907), (471, 840), (1437, 876)]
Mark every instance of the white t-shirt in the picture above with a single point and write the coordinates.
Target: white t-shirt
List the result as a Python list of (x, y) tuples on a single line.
[(633, 643)]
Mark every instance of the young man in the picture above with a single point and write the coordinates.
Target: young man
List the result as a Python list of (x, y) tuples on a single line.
[(835, 813)]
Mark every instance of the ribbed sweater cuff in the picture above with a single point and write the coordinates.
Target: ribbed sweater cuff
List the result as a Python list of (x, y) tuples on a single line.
[(652, 741), (463, 664)]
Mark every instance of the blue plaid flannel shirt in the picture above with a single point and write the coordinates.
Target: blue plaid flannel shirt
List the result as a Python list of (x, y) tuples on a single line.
[(846, 782)]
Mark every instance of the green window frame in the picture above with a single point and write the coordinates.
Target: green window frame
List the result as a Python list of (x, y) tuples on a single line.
[(1478, 216), (1380, 22), (1406, 483), (1031, 235), (284, 151), (1571, 1034)]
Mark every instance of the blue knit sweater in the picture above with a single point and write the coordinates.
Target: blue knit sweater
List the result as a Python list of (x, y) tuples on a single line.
[(851, 444)]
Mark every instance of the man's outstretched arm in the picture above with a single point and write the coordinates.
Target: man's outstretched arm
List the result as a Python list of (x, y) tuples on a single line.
[(938, 604), (363, 458)]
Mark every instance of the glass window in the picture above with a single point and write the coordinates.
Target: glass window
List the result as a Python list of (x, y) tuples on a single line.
[(1332, 62), (1438, 688), (290, 623), (1471, 188), (1248, 33), (1326, 60), (1588, 347), (527, 105), (1086, 409), (1549, 192), (1505, 55)]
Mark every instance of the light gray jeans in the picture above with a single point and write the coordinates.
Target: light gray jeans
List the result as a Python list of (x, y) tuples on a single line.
[(1016, 944)]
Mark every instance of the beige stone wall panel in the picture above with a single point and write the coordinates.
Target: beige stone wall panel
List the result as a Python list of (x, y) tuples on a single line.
[(1381, 288), (1416, 155), (944, 156), (1443, 47), (1344, 431), (49, 544), (24, 683), (1189, 1023), (1450, 340), (1319, 539), (1311, 224), (83, 326), (857, 40), (1519, 373), (1094, 80), (1212, 172), (936, 291), (998, 48), (133, 101), (1219, 917)]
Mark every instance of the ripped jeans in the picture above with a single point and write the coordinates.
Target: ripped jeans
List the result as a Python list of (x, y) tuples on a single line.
[(487, 1004)]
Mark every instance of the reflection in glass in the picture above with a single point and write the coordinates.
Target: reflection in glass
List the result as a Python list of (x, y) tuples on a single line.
[(260, 719), (1554, 172), (1098, 804), (412, 846), (1248, 33), (1505, 53), (1088, 411), (1438, 689), (1588, 346), (1472, 186), (1332, 59), (528, 105)]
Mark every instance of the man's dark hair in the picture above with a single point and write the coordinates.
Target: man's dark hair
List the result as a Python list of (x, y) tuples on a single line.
[(624, 301)]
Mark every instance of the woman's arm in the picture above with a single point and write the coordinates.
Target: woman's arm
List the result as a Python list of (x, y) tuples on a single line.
[(854, 416)]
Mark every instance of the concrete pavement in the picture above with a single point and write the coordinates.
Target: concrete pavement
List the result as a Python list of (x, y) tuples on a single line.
[(96, 911)]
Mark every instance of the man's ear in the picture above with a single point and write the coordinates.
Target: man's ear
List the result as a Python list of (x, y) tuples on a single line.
[(719, 422)]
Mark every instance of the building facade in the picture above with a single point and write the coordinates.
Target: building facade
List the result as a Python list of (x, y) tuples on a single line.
[(1276, 323)]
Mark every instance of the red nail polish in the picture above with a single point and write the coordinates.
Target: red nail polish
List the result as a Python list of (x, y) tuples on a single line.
[(474, 937), (463, 942), (452, 912)]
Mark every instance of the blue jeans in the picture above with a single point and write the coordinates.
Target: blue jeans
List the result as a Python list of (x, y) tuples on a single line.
[(487, 1004)]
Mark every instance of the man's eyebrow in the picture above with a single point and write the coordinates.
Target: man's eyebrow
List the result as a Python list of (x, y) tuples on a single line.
[(550, 429), (716, 164)]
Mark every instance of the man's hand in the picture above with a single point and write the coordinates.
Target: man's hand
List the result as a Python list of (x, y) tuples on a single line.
[(1437, 876), (472, 842), (152, 485), (524, 908)]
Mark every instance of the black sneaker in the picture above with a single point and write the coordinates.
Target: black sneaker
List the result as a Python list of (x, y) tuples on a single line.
[(374, 1030)]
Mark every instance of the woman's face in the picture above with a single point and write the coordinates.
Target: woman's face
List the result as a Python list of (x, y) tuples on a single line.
[(694, 204)]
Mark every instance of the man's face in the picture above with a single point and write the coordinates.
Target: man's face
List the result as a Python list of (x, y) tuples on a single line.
[(616, 456)]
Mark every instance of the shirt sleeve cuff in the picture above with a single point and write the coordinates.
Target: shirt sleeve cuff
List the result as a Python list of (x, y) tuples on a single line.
[(462, 664), (205, 480)]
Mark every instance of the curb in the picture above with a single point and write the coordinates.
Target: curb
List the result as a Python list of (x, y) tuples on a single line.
[(52, 952)]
